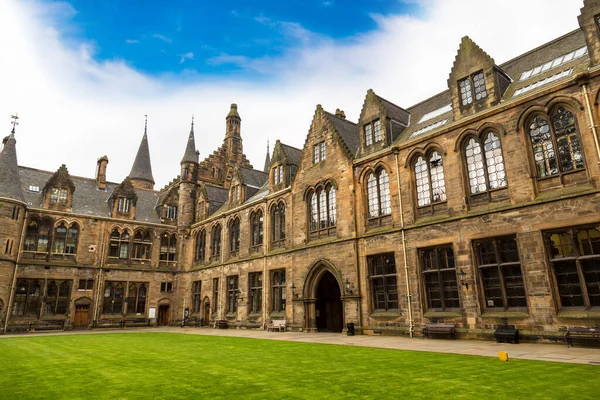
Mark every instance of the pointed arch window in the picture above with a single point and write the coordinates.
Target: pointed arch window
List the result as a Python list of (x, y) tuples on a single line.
[(234, 237), (65, 242), (114, 293), (322, 211), (430, 183), (168, 250), (38, 239), (200, 249), (27, 298), (142, 247), (136, 299), (278, 225), (378, 196), (256, 224), (196, 296), (485, 163), (119, 246), (556, 147), (215, 247), (57, 298)]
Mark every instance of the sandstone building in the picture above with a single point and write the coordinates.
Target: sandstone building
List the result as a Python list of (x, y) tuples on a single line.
[(477, 204)]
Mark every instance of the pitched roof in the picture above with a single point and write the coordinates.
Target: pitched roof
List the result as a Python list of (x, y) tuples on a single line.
[(87, 198), (216, 197), (190, 154), (253, 177), (142, 168), (395, 112), (267, 161), (293, 154), (347, 130), (10, 185)]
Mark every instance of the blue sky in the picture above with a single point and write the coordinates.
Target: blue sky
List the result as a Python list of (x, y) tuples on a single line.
[(215, 37)]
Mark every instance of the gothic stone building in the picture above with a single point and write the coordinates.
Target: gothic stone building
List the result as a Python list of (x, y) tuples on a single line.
[(478, 204)]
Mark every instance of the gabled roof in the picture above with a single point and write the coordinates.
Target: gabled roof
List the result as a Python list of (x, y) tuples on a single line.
[(253, 177), (347, 130), (216, 197), (142, 167), (10, 185), (292, 154), (395, 112)]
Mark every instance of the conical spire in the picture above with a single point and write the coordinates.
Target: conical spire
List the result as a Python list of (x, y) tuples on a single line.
[(10, 183), (190, 154), (141, 171), (267, 159)]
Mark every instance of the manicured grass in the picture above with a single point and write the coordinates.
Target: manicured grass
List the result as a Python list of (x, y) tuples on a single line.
[(176, 366)]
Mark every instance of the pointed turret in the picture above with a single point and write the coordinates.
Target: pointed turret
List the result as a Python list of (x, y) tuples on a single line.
[(141, 171), (190, 155), (10, 183), (267, 160)]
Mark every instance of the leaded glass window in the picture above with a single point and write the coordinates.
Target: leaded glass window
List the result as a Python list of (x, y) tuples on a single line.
[(485, 164), (479, 85), (278, 290), (383, 282), (200, 253), (322, 211), (255, 290), (430, 179), (466, 97), (439, 277), (378, 194)]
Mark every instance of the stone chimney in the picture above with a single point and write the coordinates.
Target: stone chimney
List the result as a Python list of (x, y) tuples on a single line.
[(340, 113), (101, 172)]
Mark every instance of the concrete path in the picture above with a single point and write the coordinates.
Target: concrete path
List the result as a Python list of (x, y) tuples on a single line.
[(528, 351)]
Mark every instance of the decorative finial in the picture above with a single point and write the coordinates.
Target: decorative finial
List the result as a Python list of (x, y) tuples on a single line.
[(145, 123), (267, 145), (14, 122)]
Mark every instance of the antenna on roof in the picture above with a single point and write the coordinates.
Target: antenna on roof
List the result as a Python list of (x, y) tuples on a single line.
[(14, 122)]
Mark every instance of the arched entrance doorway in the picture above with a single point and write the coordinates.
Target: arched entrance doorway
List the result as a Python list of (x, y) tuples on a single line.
[(323, 305), (329, 308)]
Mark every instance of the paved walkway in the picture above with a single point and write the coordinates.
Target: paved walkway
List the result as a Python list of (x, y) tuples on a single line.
[(528, 351)]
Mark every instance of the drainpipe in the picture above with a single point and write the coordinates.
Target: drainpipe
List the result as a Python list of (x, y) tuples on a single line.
[(267, 249), (591, 117), (406, 271), (100, 275), (14, 279)]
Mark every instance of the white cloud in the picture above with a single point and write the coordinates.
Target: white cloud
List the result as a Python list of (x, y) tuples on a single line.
[(74, 108), (187, 56), (132, 41), (163, 38)]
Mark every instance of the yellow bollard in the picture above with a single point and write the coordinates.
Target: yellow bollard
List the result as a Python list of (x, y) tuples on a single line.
[(503, 355)]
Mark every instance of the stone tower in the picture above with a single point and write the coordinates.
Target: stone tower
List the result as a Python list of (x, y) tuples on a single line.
[(141, 171), (187, 185), (233, 137)]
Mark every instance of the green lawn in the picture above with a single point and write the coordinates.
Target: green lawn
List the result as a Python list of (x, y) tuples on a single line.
[(167, 365)]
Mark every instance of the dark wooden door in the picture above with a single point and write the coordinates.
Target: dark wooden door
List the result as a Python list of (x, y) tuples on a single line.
[(206, 313), (163, 315), (82, 313)]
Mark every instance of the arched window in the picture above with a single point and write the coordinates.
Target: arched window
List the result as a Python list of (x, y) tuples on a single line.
[(37, 238), (64, 294), (256, 223), (168, 249), (485, 163), (322, 212), (556, 148), (378, 196), (215, 247), (278, 225), (32, 304), (113, 298), (136, 299), (234, 237), (429, 177), (200, 252), (142, 247), (60, 238), (51, 297), (119, 245), (65, 241)]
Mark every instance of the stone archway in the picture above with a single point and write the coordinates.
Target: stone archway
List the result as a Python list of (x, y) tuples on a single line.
[(323, 306)]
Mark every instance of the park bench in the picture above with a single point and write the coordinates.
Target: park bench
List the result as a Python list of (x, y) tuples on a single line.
[(221, 324), (447, 329), (18, 327), (110, 323), (136, 322), (277, 325), (194, 321), (582, 333), (505, 333), (50, 325)]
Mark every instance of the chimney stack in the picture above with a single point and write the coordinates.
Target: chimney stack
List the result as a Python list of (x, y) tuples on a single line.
[(340, 113), (101, 172)]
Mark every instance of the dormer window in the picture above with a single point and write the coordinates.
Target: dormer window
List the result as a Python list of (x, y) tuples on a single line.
[(171, 212), (472, 86), (278, 175), (123, 205), (372, 132), (319, 152), (58, 196)]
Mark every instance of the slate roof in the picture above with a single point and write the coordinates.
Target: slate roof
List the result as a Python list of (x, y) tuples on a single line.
[(253, 177), (347, 130), (293, 154), (10, 185), (142, 167), (216, 196), (87, 198), (514, 68), (395, 112), (190, 154)]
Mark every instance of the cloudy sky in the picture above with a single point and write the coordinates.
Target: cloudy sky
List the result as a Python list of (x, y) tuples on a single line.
[(82, 74)]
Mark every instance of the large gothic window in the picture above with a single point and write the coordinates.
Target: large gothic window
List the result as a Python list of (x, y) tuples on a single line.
[(234, 237), (278, 225), (142, 247), (119, 246), (57, 298), (114, 293), (278, 290), (430, 183), (322, 211), (168, 249), (256, 225), (37, 238), (196, 296), (200, 249), (65, 241), (439, 278), (556, 147), (215, 247), (255, 292), (485, 163), (136, 299), (383, 282), (378, 195), (27, 298), (232, 294)]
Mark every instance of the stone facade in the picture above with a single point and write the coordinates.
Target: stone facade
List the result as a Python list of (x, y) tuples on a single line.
[(475, 206)]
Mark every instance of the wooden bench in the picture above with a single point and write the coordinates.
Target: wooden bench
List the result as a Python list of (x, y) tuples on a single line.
[(194, 321), (446, 329), (50, 325), (110, 323), (136, 322), (19, 327), (277, 325), (582, 333)]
